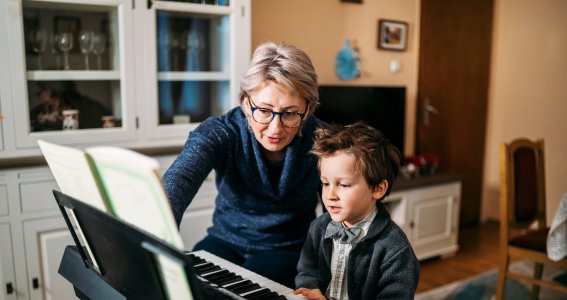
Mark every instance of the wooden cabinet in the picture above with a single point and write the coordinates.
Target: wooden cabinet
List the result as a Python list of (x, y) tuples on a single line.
[(429, 215)]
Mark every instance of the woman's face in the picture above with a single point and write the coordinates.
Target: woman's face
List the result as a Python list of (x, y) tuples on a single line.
[(273, 137)]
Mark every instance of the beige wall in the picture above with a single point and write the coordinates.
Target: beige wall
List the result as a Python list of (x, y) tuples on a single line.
[(528, 85), (528, 91), (320, 27)]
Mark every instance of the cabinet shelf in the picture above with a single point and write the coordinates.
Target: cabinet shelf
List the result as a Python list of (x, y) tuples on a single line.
[(193, 76), (206, 9), (72, 75)]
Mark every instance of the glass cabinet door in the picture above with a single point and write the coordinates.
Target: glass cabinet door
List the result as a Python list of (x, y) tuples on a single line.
[(190, 50), (76, 85)]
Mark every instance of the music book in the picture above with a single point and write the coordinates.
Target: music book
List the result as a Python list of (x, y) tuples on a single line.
[(126, 185)]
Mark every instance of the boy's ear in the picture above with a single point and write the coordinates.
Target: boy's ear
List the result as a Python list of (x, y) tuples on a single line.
[(380, 190)]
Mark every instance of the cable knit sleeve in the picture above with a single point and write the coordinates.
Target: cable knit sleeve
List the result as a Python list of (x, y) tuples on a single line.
[(204, 149)]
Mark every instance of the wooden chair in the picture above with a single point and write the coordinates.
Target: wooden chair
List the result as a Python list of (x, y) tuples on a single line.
[(523, 229)]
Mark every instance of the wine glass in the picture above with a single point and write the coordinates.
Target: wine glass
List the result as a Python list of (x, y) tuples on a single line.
[(99, 47), (65, 43), (55, 50), (38, 41), (86, 44)]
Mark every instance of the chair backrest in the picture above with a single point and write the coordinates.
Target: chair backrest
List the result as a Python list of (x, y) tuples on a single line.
[(522, 183)]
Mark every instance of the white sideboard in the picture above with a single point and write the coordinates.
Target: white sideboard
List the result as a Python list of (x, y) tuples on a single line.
[(427, 210)]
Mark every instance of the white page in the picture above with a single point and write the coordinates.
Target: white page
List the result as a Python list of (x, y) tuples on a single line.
[(72, 173), (174, 278), (74, 177), (134, 191)]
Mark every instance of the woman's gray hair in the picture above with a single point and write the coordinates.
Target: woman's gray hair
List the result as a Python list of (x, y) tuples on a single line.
[(285, 67)]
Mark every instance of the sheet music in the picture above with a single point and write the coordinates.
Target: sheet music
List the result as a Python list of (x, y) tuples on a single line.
[(127, 185), (133, 187), (72, 173)]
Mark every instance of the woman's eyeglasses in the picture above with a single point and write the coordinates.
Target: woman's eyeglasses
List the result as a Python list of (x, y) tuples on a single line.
[(288, 119)]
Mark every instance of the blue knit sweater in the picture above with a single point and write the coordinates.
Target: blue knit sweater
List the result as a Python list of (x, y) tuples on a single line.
[(251, 212)]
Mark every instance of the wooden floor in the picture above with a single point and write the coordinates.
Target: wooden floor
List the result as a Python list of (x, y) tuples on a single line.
[(478, 253)]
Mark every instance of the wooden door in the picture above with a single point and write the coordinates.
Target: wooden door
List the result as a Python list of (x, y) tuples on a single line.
[(454, 67)]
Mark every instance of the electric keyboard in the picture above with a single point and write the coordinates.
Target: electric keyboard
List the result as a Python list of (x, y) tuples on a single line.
[(235, 281)]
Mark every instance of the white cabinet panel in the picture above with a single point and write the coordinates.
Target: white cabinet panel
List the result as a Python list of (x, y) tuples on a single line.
[(7, 276), (38, 196), (396, 204), (4, 200), (433, 217), (45, 242), (429, 216)]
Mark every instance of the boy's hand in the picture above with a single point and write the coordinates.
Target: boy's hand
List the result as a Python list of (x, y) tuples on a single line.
[(312, 294)]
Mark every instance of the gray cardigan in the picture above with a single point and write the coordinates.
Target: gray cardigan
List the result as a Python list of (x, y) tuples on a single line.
[(381, 266), (251, 212)]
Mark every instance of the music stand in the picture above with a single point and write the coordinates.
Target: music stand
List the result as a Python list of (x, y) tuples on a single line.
[(126, 257)]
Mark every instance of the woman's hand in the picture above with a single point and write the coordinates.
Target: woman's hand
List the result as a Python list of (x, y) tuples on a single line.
[(312, 294)]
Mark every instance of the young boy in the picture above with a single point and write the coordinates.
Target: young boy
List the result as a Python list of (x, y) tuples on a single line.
[(354, 250)]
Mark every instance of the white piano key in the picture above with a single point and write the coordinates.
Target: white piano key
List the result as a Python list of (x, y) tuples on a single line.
[(248, 275)]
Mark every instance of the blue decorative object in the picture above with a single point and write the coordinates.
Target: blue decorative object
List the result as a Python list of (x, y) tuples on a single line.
[(347, 65)]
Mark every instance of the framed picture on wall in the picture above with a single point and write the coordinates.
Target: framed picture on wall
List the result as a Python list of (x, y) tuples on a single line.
[(392, 35)]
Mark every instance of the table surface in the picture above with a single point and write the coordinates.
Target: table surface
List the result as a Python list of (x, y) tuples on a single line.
[(422, 181)]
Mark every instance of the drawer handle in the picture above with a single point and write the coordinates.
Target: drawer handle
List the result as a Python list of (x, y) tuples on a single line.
[(9, 288), (35, 283)]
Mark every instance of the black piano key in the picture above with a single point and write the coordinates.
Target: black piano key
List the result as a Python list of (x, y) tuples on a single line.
[(221, 278), (237, 285), (211, 276), (264, 293), (247, 288), (196, 261), (210, 273), (207, 270), (203, 266), (225, 282)]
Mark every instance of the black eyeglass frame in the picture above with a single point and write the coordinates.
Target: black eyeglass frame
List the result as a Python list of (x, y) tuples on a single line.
[(274, 113)]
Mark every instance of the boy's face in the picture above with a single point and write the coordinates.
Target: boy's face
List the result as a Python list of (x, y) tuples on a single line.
[(346, 195)]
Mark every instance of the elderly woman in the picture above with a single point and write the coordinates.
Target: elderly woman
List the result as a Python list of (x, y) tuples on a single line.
[(267, 181)]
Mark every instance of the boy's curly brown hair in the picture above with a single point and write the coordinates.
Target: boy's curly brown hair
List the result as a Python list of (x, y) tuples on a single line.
[(375, 157)]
